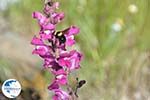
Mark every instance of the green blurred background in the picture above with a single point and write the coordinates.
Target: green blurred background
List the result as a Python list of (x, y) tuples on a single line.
[(114, 38)]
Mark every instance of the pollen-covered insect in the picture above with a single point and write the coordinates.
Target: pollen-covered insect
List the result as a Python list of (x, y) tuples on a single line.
[(60, 35)]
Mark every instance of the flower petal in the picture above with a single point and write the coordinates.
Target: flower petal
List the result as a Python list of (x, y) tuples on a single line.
[(73, 30), (70, 40), (40, 50), (40, 17), (36, 41), (56, 5), (61, 79), (72, 61), (48, 26), (57, 17), (60, 95), (53, 86)]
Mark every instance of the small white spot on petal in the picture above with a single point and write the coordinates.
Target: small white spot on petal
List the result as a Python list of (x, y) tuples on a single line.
[(59, 76), (38, 47), (47, 32)]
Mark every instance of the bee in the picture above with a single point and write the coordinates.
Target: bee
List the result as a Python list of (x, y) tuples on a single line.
[(60, 36)]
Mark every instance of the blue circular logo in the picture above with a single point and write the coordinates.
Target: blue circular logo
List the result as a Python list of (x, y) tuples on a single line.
[(11, 88)]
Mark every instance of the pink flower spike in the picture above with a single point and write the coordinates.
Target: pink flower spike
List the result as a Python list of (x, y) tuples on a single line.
[(51, 45)]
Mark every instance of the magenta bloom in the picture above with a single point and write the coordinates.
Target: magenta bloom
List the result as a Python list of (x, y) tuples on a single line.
[(43, 21), (50, 7), (60, 95), (61, 77), (53, 86), (71, 60), (51, 46), (69, 34)]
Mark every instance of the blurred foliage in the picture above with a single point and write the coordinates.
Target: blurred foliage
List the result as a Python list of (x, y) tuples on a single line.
[(116, 64)]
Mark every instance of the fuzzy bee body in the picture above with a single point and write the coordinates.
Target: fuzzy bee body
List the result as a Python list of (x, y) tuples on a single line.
[(60, 35)]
